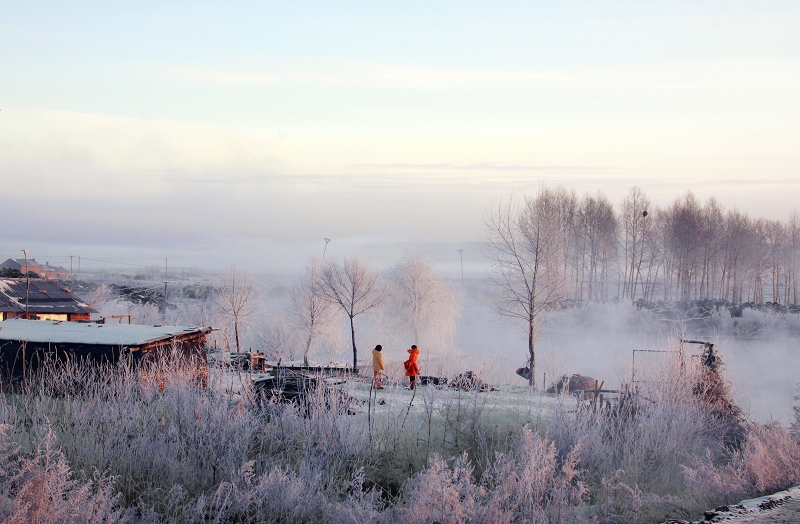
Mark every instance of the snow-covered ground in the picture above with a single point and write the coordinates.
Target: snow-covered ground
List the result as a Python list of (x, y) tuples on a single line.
[(779, 508)]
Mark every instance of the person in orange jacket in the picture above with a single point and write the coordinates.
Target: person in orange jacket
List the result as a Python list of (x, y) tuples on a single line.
[(412, 370), (377, 366)]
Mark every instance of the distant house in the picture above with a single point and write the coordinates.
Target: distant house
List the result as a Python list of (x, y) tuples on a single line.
[(26, 344), (49, 271), (21, 265), (40, 299), (43, 270)]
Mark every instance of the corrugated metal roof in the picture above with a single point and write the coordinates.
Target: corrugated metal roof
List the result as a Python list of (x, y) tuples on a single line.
[(42, 296), (14, 264), (54, 332)]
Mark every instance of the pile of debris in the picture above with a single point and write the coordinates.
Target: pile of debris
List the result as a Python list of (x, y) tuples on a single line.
[(576, 384), (425, 380), (304, 390), (470, 382)]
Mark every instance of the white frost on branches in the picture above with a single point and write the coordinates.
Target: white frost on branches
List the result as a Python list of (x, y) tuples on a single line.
[(425, 304)]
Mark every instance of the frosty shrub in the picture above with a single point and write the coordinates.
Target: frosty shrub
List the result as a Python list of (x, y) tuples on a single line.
[(171, 452), (275, 496), (711, 484), (795, 428), (531, 484), (40, 487), (151, 435), (534, 484), (634, 459), (769, 461), (771, 458), (441, 494)]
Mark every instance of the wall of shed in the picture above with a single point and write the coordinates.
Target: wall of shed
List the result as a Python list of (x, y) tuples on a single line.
[(63, 317), (21, 359)]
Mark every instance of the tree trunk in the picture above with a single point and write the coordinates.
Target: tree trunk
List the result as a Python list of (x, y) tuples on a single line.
[(236, 333), (531, 354), (308, 349), (355, 351)]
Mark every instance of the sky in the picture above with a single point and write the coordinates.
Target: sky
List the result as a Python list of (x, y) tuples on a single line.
[(210, 133)]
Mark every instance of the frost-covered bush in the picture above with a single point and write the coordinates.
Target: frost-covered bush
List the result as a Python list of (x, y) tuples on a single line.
[(533, 483), (710, 482), (39, 486), (172, 452), (795, 428), (441, 494), (530, 484), (149, 438), (771, 458), (769, 461), (634, 458)]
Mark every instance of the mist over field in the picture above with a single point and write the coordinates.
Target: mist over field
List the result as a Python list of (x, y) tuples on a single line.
[(596, 340)]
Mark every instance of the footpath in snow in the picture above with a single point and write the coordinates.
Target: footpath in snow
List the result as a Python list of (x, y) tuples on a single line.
[(779, 508)]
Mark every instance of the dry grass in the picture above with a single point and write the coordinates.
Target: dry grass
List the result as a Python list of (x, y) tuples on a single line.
[(82, 444)]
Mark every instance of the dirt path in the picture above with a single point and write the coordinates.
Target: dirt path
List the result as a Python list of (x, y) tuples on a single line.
[(779, 508)]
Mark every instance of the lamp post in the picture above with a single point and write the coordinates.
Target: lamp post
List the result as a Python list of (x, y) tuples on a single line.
[(27, 282), (461, 257), (326, 248)]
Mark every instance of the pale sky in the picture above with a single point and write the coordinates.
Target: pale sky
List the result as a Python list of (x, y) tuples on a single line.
[(251, 127)]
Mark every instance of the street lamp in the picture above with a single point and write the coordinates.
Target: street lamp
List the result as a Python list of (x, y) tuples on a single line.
[(461, 256), (326, 248), (27, 282)]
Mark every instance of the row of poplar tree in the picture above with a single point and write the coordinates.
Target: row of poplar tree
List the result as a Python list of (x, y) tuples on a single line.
[(583, 249)]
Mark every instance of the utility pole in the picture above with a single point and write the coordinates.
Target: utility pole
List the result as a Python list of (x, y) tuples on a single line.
[(70, 264), (27, 283), (166, 273), (461, 256)]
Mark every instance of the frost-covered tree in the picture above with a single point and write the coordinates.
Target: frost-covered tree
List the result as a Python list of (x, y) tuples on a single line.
[(237, 298), (597, 226), (525, 246), (793, 257), (312, 314), (353, 287), (635, 225), (424, 301), (99, 296), (276, 338)]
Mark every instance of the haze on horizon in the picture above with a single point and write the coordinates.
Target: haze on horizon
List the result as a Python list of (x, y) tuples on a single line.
[(254, 130)]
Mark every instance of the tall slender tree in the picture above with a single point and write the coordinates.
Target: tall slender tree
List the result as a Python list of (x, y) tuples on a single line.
[(598, 228), (637, 216), (525, 246), (310, 312), (238, 299), (355, 289)]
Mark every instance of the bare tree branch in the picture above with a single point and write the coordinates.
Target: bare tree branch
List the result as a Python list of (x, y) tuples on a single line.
[(354, 288), (238, 298)]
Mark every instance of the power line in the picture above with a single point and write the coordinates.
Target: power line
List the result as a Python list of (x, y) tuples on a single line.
[(122, 263), (50, 258)]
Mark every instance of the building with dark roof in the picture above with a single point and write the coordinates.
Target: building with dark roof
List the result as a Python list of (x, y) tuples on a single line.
[(43, 270), (40, 299), (26, 344)]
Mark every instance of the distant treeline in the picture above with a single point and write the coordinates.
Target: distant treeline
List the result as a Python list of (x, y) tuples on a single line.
[(686, 251)]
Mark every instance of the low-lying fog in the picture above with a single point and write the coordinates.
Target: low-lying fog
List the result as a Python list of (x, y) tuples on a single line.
[(597, 340)]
